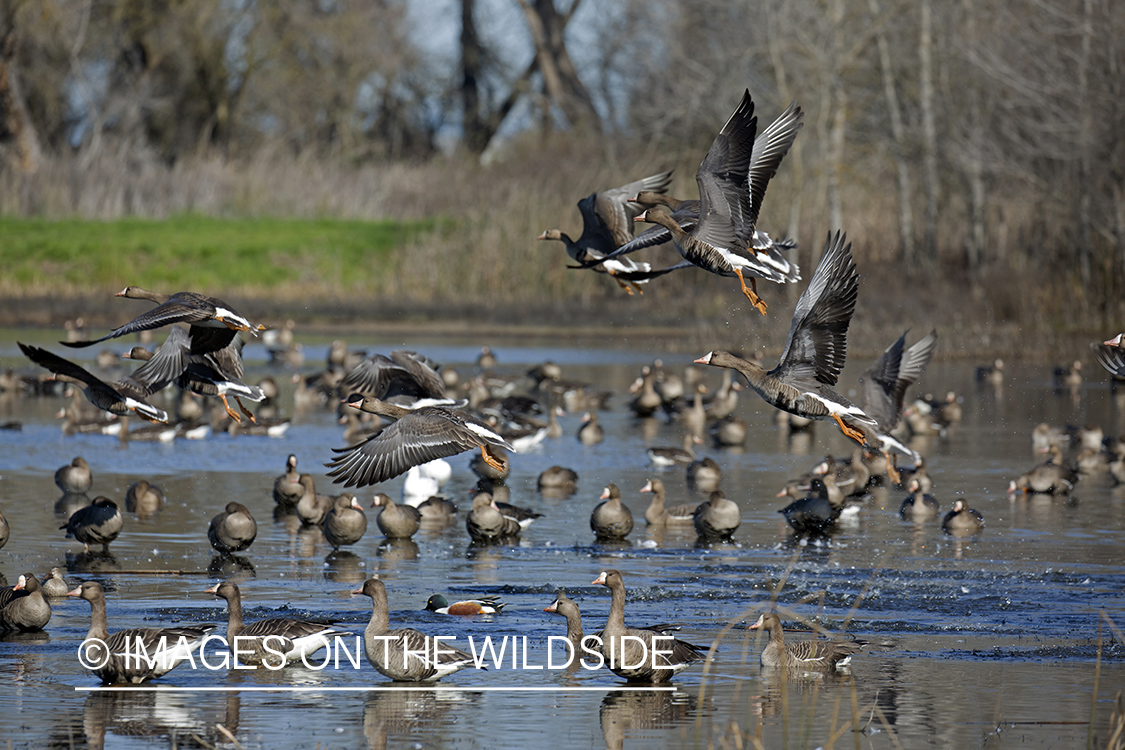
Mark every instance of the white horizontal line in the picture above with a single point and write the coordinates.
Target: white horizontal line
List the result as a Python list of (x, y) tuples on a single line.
[(375, 688)]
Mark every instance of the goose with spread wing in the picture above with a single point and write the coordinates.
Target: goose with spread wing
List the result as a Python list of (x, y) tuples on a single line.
[(803, 381)]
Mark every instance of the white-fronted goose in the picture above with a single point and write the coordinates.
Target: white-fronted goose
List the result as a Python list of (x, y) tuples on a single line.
[(75, 476), (287, 488), (801, 655), (5, 531), (884, 387), (124, 396), (402, 374), (486, 605), (437, 510), (558, 478), (667, 456), (802, 383), (54, 584), (729, 431), (143, 498), (562, 605), (416, 437), (704, 474), (394, 520), (962, 520), (312, 507), (97, 523), (1051, 477), (493, 464), (273, 642), (345, 523), (486, 524), (213, 322), (233, 530), (27, 609), (590, 433), (404, 654), (165, 647), (918, 505), (640, 654), (656, 513), (611, 518), (647, 400), (216, 373), (717, 518), (607, 224), (816, 513)]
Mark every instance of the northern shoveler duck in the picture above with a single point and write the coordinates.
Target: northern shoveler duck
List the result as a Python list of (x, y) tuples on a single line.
[(802, 383), (962, 520), (275, 641), (233, 530), (405, 654), (801, 655), (213, 322), (75, 476), (640, 654), (486, 605), (97, 523), (216, 373), (27, 609), (611, 518), (416, 437), (165, 647), (120, 398)]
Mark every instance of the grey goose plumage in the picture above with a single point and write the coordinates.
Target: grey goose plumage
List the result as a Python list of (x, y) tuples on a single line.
[(166, 647), (75, 476), (404, 654), (25, 608), (884, 388), (345, 523), (97, 523), (803, 381), (611, 518), (394, 520), (258, 641), (717, 518), (416, 437), (801, 655), (233, 530)]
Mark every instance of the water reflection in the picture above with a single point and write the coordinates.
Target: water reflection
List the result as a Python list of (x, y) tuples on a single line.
[(229, 566), (142, 714), (399, 714), (99, 561), (630, 713), (342, 566), (70, 502)]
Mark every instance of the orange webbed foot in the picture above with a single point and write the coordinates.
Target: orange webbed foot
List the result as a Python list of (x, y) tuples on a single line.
[(853, 433)]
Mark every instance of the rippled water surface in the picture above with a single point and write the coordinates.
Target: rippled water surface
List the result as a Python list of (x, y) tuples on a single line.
[(988, 641)]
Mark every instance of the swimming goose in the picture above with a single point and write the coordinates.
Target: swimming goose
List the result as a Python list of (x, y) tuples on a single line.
[(802, 383), (816, 512), (611, 519), (405, 654), (165, 647), (345, 522), (233, 530), (287, 488), (962, 520), (126, 395), (640, 654), (417, 436), (75, 476), (54, 584), (97, 523), (704, 474), (801, 655), (666, 456), (213, 322), (590, 433), (312, 507), (27, 609), (717, 518), (558, 478), (657, 513), (564, 606), (274, 642), (143, 498), (394, 520), (918, 504), (486, 523), (1050, 477)]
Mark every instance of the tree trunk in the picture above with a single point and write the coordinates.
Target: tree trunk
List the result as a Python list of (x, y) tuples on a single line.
[(477, 134), (898, 132), (929, 131), (19, 145), (560, 79), (1086, 127), (839, 99)]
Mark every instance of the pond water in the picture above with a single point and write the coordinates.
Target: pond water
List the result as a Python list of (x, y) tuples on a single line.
[(997, 640)]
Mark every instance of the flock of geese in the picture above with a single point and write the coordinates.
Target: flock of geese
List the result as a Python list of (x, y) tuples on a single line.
[(419, 427)]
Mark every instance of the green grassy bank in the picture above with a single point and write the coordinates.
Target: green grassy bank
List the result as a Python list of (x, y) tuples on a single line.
[(197, 252)]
